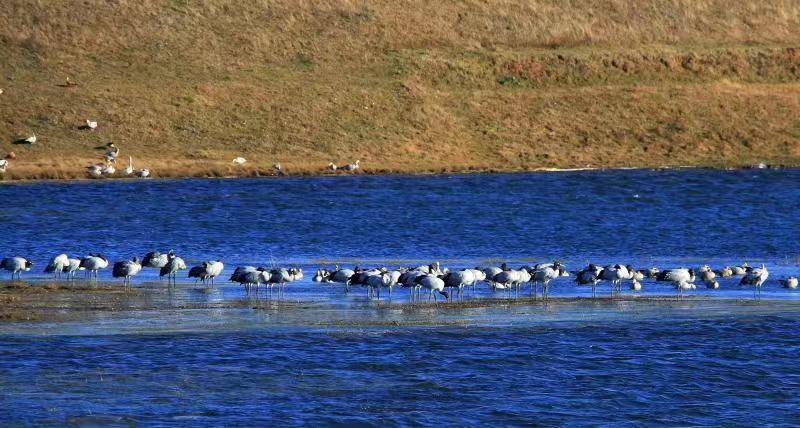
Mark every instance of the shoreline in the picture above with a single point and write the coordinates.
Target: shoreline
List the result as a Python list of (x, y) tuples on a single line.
[(267, 173)]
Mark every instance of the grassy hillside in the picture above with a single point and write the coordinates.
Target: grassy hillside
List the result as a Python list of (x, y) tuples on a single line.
[(186, 85)]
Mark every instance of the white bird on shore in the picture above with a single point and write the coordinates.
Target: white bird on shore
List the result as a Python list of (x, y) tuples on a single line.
[(95, 171), (332, 166), (277, 168), (31, 139), (108, 169), (129, 169), (352, 166), (239, 161), (91, 124), (3, 165), (143, 173), (112, 153)]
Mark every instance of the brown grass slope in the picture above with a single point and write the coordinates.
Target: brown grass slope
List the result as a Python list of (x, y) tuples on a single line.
[(409, 86)]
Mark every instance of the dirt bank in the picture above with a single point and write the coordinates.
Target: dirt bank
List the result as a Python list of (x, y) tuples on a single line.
[(476, 86)]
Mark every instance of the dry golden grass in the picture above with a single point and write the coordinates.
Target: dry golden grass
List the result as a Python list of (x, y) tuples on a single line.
[(408, 86)]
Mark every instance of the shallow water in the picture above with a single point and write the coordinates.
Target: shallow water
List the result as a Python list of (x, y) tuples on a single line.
[(340, 358)]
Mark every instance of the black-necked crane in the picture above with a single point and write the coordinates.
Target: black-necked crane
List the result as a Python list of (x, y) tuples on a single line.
[(590, 275), (57, 265), (755, 277), (170, 270), (207, 271), (126, 269), (155, 259), (681, 278), (93, 263), (16, 265)]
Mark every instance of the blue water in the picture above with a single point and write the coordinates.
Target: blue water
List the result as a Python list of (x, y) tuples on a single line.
[(723, 362)]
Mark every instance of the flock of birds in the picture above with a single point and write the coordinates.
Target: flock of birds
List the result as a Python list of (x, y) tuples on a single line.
[(351, 167), (432, 278), (107, 168), (435, 280)]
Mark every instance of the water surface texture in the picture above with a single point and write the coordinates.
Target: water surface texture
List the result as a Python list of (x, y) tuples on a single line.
[(593, 214), (717, 361)]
